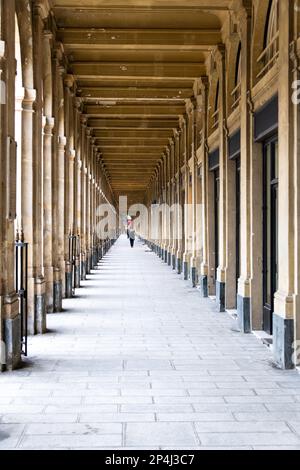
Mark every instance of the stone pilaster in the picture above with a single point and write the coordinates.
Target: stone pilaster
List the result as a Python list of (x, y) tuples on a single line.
[(284, 308), (244, 283)]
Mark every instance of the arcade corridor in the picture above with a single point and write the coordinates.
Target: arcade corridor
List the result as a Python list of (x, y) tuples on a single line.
[(139, 360)]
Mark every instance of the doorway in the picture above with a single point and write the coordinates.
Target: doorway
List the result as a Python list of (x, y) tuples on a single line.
[(216, 216), (270, 230), (238, 219)]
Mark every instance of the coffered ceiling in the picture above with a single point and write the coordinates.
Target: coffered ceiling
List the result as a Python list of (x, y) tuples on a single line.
[(135, 63)]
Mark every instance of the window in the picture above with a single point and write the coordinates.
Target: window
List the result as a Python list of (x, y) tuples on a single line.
[(236, 92), (269, 55), (215, 115)]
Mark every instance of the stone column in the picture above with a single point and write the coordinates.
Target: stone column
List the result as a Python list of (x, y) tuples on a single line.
[(27, 203), (170, 201), (166, 214), (180, 216), (39, 14), (295, 56), (88, 201), (47, 203), (221, 270), (175, 198), (48, 126), (186, 185), (204, 269), (83, 199), (10, 323), (69, 181), (244, 283), (284, 308), (58, 158), (194, 262)]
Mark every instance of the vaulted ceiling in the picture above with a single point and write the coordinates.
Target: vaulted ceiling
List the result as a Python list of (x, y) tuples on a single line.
[(135, 63)]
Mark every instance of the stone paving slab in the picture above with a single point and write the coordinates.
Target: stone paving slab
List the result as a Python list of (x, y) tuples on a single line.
[(138, 360)]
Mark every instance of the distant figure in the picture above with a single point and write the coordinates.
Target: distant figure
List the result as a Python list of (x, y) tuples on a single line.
[(131, 237)]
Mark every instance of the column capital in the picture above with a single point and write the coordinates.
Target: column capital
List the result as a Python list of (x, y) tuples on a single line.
[(190, 105), (78, 102), (241, 11), (69, 80), (29, 99), (41, 8), (61, 70), (48, 34), (72, 155), (48, 124), (62, 142), (219, 53), (182, 123), (83, 120)]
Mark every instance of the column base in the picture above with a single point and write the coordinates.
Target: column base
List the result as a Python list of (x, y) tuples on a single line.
[(95, 259), (49, 297), (244, 314), (77, 275), (87, 263), (40, 313), (203, 286), (185, 270), (83, 270), (166, 256), (220, 295), (12, 339), (283, 339), (194, 276), (49, 275), (169, 258), (173, 262), (178, 265), (69, 287), (57, 296)]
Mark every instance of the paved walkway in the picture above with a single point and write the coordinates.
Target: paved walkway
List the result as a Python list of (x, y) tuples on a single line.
[(138, 360)]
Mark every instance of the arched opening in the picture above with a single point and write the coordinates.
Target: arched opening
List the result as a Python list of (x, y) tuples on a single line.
[(236, 92), (270, 53), (215, 115)]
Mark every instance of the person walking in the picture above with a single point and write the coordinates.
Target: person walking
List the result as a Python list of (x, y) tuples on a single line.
[(131, 237)]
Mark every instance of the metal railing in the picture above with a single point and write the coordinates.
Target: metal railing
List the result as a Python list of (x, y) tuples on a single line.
[(236, 95), (215, 118), (268, 57), (74, 253), (21, 286)]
